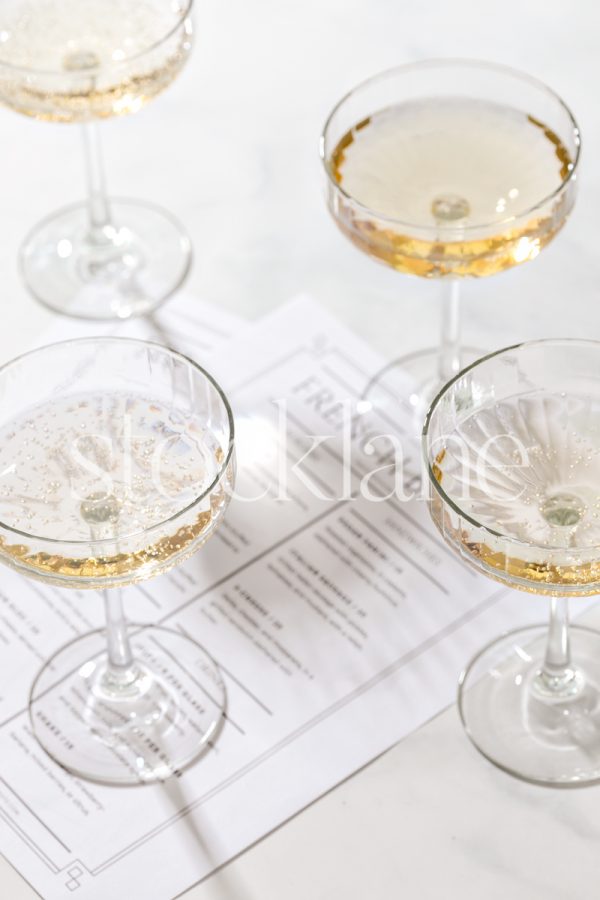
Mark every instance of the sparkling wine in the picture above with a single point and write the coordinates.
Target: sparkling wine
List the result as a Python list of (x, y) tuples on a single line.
[(74, 61), (478, 167), (104, 475), (527, 469)]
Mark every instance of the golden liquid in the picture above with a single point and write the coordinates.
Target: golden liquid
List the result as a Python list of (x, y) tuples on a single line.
[(556, 505), (93, 473), (471, 166), (80, 104), (74, 61), (154, 558), (533, 577), (538, 576)]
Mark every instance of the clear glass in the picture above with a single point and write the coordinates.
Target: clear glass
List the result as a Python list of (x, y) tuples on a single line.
[(454, 236), (118, 464), (78, 62), (511, 447)]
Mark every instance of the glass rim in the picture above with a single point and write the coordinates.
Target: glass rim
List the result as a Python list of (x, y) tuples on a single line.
[(105, 67), (140, 342), (445, 498), (451, 229)]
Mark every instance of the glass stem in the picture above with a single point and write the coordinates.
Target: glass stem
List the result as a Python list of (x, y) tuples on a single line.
[(119, 650), (99, 211), (557, 675), (450, 340), (98, 511)]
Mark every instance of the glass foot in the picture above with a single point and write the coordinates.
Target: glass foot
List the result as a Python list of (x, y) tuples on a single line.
[(115, 272), (138, 725), (546, 738), (403, 390)]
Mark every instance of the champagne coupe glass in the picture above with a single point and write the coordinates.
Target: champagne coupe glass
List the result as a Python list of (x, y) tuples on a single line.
[(117, 463), (514, 488), (81, 61), (447, 169)]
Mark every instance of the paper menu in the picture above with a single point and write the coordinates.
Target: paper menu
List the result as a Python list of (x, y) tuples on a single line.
[(340, 623)]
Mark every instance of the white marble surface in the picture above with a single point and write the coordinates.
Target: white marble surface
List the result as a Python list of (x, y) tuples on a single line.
[(232, 150)]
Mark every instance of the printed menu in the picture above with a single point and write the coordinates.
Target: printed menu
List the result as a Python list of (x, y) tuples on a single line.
[(339, 618)]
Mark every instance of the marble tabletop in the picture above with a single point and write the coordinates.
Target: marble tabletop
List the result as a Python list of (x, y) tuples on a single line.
[(231, 149)]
